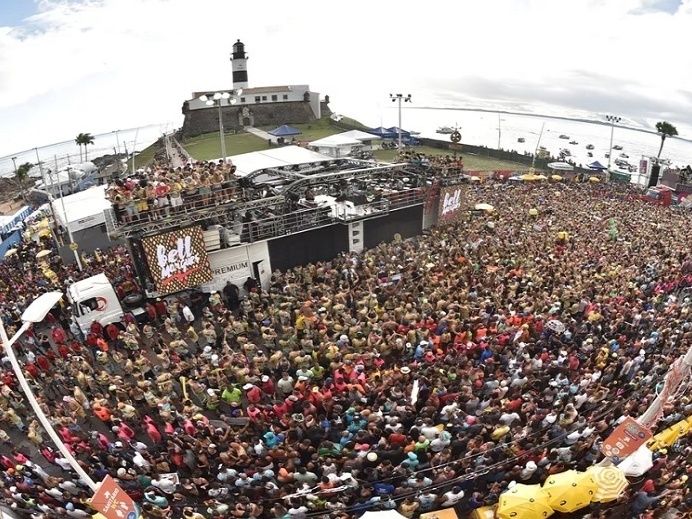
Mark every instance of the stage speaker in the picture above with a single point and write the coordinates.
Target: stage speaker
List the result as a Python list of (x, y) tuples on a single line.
[(655, 172)]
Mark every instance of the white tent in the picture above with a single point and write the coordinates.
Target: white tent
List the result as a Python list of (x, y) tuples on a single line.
[(83, 209), (360, 136), (275, 158), (384, 514), (336, 145)]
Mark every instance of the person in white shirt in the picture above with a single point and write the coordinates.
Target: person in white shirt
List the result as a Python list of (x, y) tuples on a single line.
[(452, 497)]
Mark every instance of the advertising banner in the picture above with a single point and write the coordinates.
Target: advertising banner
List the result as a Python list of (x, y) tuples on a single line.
[(228, 265), (113, 502), (177, 260), (625, 439), (450, 204), (643, 167)]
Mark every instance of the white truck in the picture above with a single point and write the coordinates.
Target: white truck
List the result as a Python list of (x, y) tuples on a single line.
[(94, 299)]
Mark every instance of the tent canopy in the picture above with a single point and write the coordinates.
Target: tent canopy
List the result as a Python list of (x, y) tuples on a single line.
[(275, 158), (597, 165), (284, 131), (383, 133), (359, 135), (83, 209), (334, 141), (395, 131), (561, 166)]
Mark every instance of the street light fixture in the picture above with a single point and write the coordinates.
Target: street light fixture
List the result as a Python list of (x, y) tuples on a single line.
[(613, 119), (217, 99), (406, 99), (35, 313)]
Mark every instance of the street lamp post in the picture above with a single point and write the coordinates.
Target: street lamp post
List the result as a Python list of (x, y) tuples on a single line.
[(612, 119), (217, 99), (406, 99), (35, 313)]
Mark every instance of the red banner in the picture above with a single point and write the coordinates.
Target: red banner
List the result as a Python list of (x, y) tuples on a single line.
[(625, 439), (177, 260), (450, 204)]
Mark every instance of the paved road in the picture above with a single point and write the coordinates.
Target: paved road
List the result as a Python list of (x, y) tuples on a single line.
[(260, 133)]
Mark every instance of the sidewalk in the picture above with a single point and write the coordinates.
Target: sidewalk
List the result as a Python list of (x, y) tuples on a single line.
[(260, 133)]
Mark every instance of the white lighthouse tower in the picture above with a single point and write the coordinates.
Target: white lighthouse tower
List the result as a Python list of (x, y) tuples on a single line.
[(239, 60)]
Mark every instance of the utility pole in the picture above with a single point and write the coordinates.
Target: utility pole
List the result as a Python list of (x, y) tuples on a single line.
[(406, 99)]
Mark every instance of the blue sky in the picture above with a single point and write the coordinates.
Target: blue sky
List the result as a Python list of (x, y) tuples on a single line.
[(13, 12), (71, 66)]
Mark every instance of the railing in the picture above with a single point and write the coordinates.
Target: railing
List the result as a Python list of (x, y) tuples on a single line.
[(345, 213), (406, 198)]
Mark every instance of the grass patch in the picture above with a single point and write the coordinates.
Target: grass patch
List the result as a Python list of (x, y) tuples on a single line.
[(208, 146), (471, 162), (310, 131), (146, 156)]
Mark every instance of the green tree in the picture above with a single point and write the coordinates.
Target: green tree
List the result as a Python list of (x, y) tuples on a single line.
[(22, 176), (84, 139), (665, 130)]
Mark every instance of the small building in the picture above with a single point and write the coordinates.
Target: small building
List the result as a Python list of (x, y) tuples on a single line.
[(249, 106)]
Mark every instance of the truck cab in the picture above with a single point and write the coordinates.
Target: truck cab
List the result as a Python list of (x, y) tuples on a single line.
[(94, 299)]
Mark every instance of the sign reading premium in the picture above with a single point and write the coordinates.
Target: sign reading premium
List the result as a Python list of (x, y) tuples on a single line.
[(177, 260), (229, 265), (450, 204)]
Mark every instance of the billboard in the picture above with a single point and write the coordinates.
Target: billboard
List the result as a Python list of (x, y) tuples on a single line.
[(450, 204), (177, 260)]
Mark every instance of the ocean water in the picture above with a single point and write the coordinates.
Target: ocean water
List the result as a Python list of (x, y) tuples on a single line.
[(481, 129), (67, 152)]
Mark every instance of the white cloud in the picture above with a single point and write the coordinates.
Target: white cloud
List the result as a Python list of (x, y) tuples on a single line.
[(99, 65)]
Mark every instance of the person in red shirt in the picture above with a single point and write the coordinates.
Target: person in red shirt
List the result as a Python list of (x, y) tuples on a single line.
[(254, 394), (161, 308), (58, 335), (43, 363), (63, 351), (268, 385), (32, 370), (96, 328), (112, 332)]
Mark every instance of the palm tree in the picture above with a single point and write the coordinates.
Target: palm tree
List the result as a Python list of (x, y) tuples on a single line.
[(84, 139), (664, 129), (22, 176)]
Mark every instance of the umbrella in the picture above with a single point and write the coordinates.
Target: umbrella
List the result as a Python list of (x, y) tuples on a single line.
[(475, 178), (637, 463), (44, 253), (555, 326), (570, 490), (594, 179), (530, 177), (556, 177), (611, 482), (484, 207), (524, 502), (10, 252), (541, 177)]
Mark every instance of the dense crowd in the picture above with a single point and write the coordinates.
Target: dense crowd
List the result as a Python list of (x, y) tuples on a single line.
[(418, 375)]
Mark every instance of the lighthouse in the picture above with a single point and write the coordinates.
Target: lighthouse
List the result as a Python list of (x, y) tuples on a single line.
[(239, 60)]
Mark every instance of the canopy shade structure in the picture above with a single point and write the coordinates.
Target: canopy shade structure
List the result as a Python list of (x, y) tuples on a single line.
[(284, 131), (483, 207), (611, 482), (275, 158), (525, 502), (561, 166), (83, 209), (556, 177), (359, 135), (395, 131), (597, 166), (333, 141), (383, 133)]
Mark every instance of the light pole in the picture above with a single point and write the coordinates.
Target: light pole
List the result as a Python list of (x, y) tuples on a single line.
[(35, 313), (612, 119), (406, 99), (217, 99)]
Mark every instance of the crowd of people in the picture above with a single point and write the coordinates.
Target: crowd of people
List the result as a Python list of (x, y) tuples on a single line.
[(418, 375)]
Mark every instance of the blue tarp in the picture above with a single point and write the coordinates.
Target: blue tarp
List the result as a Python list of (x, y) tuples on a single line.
[(383, 133), (284, 131), (395, 131), (597, 165), (10, 242)]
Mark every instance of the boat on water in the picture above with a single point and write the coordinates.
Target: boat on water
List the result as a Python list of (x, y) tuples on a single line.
[(565, 152), (563, 136), (617, 147), (589, 146), (589, 154), (573, 143), (521, 139), (624, 156), (445, 130)]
